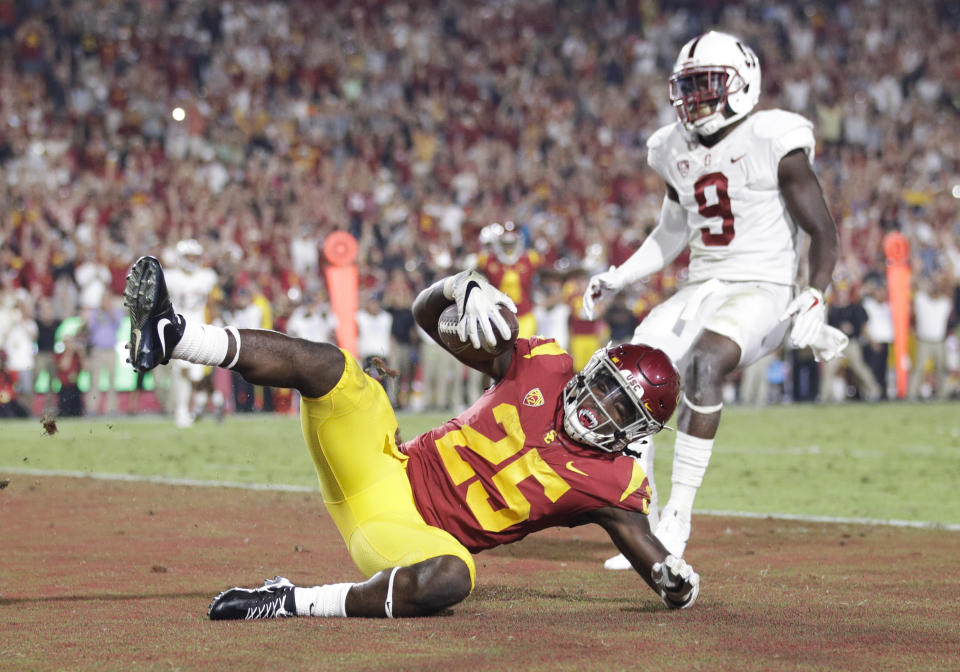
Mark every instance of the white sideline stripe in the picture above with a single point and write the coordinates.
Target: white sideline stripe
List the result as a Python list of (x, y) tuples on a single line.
[(162, 480), (921, 524), (165, 480)]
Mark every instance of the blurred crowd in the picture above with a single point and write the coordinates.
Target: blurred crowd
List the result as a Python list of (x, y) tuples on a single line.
[(258, 128)]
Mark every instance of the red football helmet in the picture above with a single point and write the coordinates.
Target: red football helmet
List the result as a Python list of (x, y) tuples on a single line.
[(624, 393)]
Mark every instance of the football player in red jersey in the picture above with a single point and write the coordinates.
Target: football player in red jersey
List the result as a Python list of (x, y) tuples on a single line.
[(511, 269), (541, 448)]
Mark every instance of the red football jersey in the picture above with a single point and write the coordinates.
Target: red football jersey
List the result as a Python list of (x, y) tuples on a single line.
[(504, 468), (515, 280)]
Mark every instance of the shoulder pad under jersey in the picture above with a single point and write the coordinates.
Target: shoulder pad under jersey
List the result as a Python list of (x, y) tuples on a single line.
[(660, 136), (769, 124)]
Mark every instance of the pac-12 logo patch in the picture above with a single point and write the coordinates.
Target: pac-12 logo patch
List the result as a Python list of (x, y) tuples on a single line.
[(533, 398), (684, 167)]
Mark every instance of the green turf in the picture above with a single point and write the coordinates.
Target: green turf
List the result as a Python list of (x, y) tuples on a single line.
[(883, 461)]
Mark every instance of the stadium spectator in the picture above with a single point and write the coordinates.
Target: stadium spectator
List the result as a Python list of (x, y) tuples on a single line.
[(191, 282), (511, 267), (313, 319), (878, 332), (404, 342), (437, 386), (932, 308), (44, 362), (755, 381), (92, 275), (846, 313), (620, 319), (70, 363), (10, 404), (19, 347), (102, 325), (246, 314), (374, 325), (552, 312)]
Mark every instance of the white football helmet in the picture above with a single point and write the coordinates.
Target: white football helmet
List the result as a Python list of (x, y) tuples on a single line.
[(505, 239), (715, 82), (189, 254)]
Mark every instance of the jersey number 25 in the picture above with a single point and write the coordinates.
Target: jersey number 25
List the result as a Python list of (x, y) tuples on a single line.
[(508, 478)]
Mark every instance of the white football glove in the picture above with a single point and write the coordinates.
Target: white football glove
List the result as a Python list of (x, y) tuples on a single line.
[(809, 313), (676, 582), (829, 344), (477, 311), (607, 282)]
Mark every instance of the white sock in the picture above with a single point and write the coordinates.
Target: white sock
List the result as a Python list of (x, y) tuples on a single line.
[(690, 459), (199, 402), (322, 601), (202, 344)]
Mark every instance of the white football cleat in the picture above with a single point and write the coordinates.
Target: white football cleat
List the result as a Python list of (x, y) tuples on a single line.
[(673, 531), (617, 562)]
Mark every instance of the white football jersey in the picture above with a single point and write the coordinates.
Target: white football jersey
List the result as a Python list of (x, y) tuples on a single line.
[(739, 227), (189, 291)]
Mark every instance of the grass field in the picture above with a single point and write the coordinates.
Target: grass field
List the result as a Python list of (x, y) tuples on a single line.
[(896, 461), (102, 574)]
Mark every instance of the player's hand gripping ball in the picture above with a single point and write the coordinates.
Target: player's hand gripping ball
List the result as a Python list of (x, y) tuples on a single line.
[(447, 327)]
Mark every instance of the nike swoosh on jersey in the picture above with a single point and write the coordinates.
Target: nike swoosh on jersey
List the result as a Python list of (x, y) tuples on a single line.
[(569, 465), (735, 159)]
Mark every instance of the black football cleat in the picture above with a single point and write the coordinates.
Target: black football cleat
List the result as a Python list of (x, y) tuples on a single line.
[(154, 327), (273, 600)]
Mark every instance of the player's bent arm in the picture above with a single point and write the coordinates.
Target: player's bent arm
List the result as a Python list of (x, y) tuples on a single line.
[(663, 245), (427, 307), (805, 202)]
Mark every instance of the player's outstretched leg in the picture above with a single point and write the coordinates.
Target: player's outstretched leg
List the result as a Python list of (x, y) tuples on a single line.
[(421, 589), (154, 326), (261, 356)]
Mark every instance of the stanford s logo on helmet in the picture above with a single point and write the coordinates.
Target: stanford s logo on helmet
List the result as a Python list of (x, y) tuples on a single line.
[(624, 393), (715, 82)]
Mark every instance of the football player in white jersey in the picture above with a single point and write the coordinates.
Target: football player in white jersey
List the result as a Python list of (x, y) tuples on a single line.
[(190, 285), (740, 193)]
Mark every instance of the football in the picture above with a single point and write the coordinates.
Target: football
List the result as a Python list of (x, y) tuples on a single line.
[(447, 327)]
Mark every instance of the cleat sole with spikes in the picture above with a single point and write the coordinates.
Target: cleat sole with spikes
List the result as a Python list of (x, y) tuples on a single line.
[(151, 315)]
